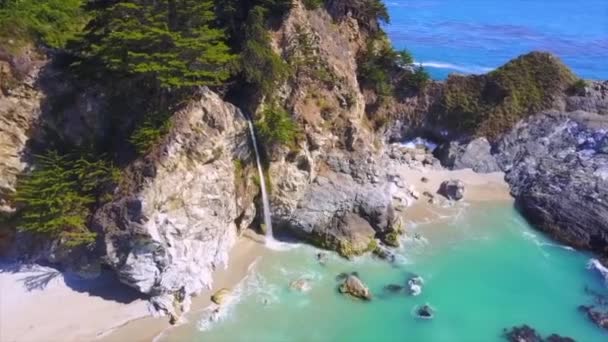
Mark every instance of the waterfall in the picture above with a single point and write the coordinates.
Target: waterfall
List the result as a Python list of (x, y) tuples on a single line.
[(265, 202)]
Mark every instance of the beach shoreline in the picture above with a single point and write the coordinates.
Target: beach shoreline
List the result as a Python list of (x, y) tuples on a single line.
[(116, 321)]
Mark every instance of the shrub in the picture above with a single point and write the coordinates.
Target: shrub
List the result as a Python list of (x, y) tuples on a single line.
[(52, 22), (57, 196), (150, 132), (488, 105), (276, 126), (381, 66), (578, 87), (260, 64)]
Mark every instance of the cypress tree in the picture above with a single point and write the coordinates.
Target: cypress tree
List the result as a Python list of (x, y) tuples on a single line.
[(170, 42)]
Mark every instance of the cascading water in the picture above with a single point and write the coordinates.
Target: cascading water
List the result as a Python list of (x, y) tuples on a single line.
[(265, 202)]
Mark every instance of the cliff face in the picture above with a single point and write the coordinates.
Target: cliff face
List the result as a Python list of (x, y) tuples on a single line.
[(316, 194), (557, 166), (183, 205), (20, 102)]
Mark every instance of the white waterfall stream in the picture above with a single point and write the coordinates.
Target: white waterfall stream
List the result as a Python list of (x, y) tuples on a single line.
[(265, 201)]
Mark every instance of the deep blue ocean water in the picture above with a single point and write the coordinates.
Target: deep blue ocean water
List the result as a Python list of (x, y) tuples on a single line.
[(475, 36)]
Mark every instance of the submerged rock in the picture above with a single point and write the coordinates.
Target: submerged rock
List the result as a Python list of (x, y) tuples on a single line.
[(355, 287), (452, 189), (598, 317), (558, 338), (525, 333), (302, 285), (221, 296), (522, 333), (394, 288), (425, 312)]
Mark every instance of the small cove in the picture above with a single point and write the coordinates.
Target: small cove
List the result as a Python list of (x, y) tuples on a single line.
[(484, 268)]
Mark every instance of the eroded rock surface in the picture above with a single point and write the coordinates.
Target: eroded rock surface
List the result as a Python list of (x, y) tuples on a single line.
[(557, 166), (181, 210)]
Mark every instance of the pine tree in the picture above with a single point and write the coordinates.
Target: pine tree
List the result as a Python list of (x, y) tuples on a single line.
[(171, 42)]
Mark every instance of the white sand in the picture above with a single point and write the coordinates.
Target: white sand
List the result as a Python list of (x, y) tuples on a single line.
[(36, 304)]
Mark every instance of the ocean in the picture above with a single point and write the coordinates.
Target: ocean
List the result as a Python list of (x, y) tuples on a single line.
[(476, 36), (484, 270)]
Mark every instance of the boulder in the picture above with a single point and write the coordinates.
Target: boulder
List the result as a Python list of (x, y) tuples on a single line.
[(337, 213), (221, 296), (353, 286), (475, 155), (452, 189)]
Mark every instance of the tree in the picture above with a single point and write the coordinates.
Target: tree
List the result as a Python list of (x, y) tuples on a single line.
[(260, 64), (57, 195), (171, 42)]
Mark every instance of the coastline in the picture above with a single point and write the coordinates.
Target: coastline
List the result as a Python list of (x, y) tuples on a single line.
[(27, 319)]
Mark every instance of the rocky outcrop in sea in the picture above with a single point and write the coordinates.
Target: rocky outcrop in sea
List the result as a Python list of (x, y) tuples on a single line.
[(557, 166)]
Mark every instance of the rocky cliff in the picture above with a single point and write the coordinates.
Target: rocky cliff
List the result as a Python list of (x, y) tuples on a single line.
[(557, 166), (20, 101), (182, 206)]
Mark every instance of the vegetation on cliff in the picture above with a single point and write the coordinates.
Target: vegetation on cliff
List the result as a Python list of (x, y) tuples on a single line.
[(488, 105), (50, 22), (57, 196)]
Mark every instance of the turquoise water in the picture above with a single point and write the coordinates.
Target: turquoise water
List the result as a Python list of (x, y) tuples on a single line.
[(474, 36), (484, 270)]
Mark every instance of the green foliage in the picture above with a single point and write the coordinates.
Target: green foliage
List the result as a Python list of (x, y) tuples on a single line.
[(416, 77), (490, 104), (150, 132), (261, 66), (380, 66), (313, 4), (176, 45), (51, 22), (276, 126), (578, 87), (58, 194)]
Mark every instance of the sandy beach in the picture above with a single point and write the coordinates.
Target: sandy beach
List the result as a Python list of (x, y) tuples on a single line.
[(40, 303)]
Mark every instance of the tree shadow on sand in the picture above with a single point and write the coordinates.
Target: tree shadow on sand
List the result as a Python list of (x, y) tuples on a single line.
[(106, 286)]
